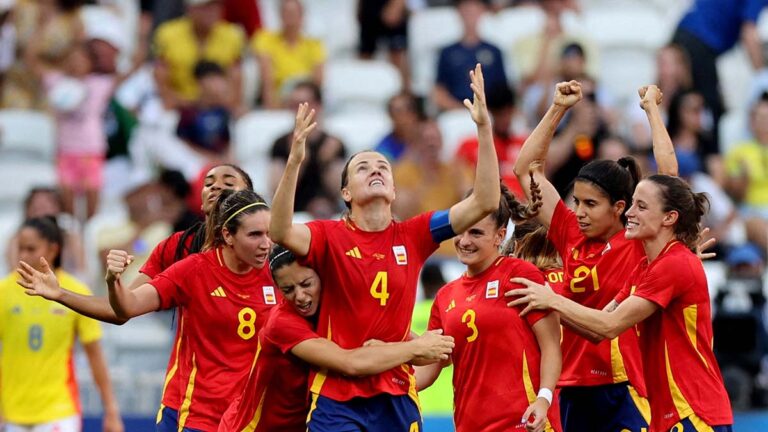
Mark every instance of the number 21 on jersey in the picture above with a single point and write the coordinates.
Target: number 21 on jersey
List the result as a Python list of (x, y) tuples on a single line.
[(580, 281)]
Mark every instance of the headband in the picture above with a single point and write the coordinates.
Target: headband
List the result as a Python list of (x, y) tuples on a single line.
[(242, 209), (275, 258)]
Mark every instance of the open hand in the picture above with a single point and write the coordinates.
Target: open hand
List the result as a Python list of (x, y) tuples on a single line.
[(477, 107), (304, 125), (41, 283), (535, 295), (703, 245)]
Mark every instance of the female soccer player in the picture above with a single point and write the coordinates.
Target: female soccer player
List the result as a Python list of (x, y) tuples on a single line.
[(275, 397), (530, 243), (369, 265), (596, 257), (223, 294), (667, 293), (176, 247), (490, 394), (39, 389)]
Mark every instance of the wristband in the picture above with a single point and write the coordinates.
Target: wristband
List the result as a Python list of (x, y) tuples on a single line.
[(545, 393)]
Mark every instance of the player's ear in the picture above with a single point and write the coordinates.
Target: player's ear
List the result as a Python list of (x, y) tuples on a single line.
[(227, 236)]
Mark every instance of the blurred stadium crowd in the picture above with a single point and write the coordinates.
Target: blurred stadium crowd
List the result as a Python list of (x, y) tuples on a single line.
[(111, 110)]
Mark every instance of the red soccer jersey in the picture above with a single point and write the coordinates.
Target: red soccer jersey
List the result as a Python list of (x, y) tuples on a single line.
[(594, 273), (369, 291), (275, 396), (497, 358), (556, 279), (221, 313), (507, 150), (162, 257), (676, 341)]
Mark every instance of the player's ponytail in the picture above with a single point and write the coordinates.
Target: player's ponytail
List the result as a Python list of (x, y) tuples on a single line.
[(529, 242), (47, 228), (676, 195), (511, 208), (617, 180)]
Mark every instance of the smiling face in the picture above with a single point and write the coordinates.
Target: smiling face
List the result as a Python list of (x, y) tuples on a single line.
[(251, 241), (646, 217), (369, 177), (478, 246), (217, 179), (597, 217), (301, 286)]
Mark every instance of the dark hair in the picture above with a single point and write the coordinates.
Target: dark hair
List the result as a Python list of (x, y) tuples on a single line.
[(530, 243), (675, 121), (511, 208), (176, 182), (280, 257), (206, 68), (43, 190), (573, 48), (48, 229), (500, 96), (228, 211), (617, 180), (676, 195), (317, 93), (199, 231)]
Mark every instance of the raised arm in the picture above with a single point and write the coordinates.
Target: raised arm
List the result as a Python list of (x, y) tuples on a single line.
[(602, 322), (282, 230), (663, 150), (533, 155), (376, 358), (485, 195)]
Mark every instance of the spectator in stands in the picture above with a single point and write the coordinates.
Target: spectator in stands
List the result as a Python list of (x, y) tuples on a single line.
[(175, 189), (501, 105), (455, 61), (685, 123), (405, 114), (7, 38), (747, 170), (709, 29), (245, 13), (54, 27), (204, 125), (287, 56), (385, 22), (318, 186), (201, 34), (46, 201)]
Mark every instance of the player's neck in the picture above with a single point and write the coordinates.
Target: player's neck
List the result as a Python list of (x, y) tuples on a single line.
[(233, 263), (374, 216), (610, 233), (481, 266), (654, 246)]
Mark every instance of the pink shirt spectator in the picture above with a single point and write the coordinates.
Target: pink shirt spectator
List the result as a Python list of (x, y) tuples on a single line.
[(80, 131)]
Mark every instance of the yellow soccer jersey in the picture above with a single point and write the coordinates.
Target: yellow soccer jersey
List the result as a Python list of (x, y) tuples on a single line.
[(290, 63), (37, 379)]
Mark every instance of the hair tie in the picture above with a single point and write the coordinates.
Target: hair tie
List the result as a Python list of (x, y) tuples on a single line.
[(242, 209)]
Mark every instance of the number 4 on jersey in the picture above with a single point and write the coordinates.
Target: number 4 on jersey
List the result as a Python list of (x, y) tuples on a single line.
[(379, 288)]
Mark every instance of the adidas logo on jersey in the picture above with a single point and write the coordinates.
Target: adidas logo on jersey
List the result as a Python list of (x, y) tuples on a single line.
[(354, 253), (451, 306), (218, 292)]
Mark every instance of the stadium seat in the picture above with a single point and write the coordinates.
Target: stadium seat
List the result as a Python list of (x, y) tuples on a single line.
[(627, 27), (27, 135), (508, 26), (455, 126), (9, 224), (358, 130), (254, 134), (16, 179), (114, 216), (736, 77), (623, 71), (734, 128), (359, 84), (251, 80), (429, 30)]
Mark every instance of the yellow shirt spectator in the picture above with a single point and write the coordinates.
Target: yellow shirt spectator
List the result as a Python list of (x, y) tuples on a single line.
[(36, 362), (752, 157), (175, 44), (288, 62)]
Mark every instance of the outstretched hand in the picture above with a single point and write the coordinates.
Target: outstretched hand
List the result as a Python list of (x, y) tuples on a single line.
[(567, 94), (650, 96), (477, 108), (301, 130), (41, 282), (534, 295), (704, 245)]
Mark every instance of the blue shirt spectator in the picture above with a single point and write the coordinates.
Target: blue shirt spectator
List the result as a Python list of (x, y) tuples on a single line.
[(458, 59), (205, 128), (718, 23), (391, 146)]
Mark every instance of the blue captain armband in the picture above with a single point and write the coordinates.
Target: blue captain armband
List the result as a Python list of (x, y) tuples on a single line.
[(440, 226)]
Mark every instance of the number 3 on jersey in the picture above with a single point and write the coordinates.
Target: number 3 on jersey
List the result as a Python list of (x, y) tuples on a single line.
[(469, 319), (379, 288)]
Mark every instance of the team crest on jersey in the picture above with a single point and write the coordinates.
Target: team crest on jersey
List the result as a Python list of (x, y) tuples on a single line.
[(269, 295), (401, 258), (492, 289)]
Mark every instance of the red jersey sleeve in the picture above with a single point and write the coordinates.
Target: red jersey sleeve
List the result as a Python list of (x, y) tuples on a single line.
[(419, 226), (659, 283), (162, 256), (623, 294), (435, 321), (563, 229), (529, 271), (287, 329), (169, 283), (317, 243)]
